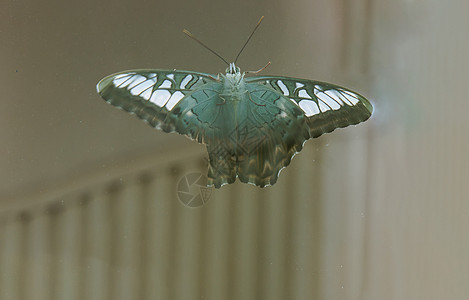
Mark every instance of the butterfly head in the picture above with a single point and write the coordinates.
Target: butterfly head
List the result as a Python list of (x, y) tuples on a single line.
[(233, 76), (232, 69)]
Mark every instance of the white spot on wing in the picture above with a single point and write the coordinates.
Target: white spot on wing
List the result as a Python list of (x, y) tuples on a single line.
[(283, 87), (299, 85), (160, 97), (146, 95), (120, 79), (137, 90), (174, 100), (135, 80), (185, 81), (293, 100), (351, 97), (317, 89), (335, 95), (165, 85), (309, 107), (170, 76), (304, 94), (122, 75), (328, 100), (323, 107)]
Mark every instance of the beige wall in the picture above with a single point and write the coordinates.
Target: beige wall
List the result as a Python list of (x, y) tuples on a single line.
[(88, 204)]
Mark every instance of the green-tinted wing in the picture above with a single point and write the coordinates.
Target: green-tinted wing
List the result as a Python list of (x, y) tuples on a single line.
[(151, 94), (325, 105)]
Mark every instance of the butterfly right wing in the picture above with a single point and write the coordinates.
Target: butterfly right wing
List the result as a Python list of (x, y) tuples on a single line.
[(326, 106), (152, 94)]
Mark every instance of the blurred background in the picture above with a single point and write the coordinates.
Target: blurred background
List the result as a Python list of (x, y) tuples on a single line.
[(88, 193)]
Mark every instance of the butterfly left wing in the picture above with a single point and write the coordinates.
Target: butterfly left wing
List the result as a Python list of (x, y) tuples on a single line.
[(326, 106), (151, 94)]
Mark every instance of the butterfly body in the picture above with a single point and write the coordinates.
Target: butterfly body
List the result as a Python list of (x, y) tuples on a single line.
[(251, 126)]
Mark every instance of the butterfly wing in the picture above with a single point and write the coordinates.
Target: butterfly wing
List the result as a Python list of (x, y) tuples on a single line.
[(153, 95), (326, 106)]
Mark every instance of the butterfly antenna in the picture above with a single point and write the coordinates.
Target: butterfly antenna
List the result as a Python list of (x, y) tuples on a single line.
[(205, 46), (252, 33)]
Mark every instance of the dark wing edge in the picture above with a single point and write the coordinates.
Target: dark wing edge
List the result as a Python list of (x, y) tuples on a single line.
[(326, 106), (150, 94)]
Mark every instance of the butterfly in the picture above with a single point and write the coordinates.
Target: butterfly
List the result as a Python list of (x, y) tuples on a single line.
[(252, 126)]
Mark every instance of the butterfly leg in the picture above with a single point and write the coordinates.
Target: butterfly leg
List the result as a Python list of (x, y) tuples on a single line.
[(216, 79), (224, 101), (249, 95)]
